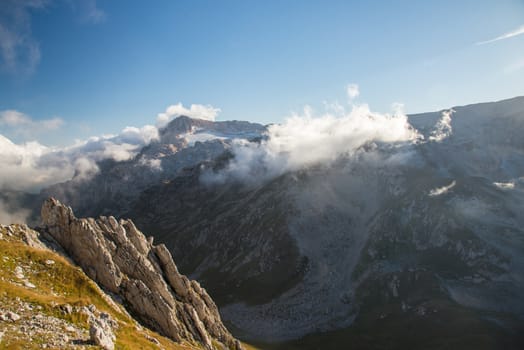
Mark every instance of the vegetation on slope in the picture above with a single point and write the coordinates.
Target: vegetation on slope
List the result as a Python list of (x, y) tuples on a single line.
[(44, 300)]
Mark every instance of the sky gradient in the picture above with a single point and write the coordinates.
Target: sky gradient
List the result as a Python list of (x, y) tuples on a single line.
[(76, 68)]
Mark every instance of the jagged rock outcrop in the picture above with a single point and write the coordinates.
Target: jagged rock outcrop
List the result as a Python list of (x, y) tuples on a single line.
[(101, 330), (120, 258)]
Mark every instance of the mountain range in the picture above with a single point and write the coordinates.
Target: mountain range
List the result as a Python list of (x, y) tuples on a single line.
[(416, 242)]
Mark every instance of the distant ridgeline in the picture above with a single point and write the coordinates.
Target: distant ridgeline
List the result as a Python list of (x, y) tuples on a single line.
[(387, 237)]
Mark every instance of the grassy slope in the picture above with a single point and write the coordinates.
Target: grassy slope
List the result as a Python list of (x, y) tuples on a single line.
[(58, 284)]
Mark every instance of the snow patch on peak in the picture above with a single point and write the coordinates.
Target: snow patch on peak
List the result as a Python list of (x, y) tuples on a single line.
[(442, 190), (505, 185), (192, 137), (443, 127)]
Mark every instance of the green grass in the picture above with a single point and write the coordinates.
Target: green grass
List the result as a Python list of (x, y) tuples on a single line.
[(58, 284)]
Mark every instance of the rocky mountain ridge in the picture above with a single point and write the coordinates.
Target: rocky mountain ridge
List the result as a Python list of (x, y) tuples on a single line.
[(47, 302), (387, 233), (434, 223), (184, 142), (124, 262)]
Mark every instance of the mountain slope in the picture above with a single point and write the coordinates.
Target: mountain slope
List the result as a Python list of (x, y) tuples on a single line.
[(415, 234), (184, 142), (48, 302), (118, 257), (368, 222)]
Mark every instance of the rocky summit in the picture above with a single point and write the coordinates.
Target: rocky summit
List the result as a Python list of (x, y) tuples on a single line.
[(120, 259), (184, 142)]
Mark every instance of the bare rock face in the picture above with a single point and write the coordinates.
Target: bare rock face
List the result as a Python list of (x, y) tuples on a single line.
[(101, 331), (120, 258)]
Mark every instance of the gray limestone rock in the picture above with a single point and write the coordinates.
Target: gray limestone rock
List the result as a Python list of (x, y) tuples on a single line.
[(120, 258), (101, 332)]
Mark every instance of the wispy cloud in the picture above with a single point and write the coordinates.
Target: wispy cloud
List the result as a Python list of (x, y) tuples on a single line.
[(307, 139), (19, 123), (516, 32), (19, 51), (31, 166), (352, 91), (88, 11)]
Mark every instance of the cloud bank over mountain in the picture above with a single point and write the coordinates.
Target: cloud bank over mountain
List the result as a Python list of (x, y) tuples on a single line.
[(302, 140), (30, 166), (306, 139)]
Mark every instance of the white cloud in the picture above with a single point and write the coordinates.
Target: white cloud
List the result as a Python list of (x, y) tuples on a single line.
[(398, 108), (195, 111), (31, 166), (154, 164), (306, 140), (443, 127), (352, 91), (513, 33), (123, 146), (442, 190), (50, 124), (143, 135), (19, 51), (21, 167), (13, 118), (85, 168), (99, 148), (23, 124)]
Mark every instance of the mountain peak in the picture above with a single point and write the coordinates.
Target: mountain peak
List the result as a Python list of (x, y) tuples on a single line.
[(183, 124)]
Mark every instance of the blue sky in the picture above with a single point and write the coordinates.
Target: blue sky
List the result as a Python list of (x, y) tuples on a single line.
[(96, 67)]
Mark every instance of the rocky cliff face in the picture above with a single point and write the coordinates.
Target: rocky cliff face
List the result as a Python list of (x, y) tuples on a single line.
[(121, 259), (47, 302)]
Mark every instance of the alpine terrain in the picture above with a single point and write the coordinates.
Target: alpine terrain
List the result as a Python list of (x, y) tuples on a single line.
[(416, 241)]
